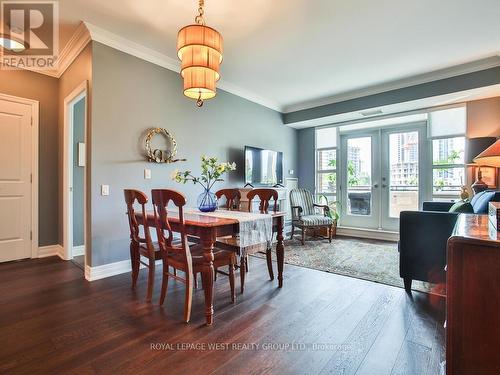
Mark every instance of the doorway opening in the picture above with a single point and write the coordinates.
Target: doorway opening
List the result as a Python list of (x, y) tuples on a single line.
[(75, 108)]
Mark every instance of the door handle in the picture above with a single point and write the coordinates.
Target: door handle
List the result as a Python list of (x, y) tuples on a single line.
[(375, 186), (384, 185)]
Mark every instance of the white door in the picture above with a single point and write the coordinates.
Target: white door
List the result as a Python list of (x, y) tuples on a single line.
[(15, 180), (360, 179), (381, 175), (403, 180)]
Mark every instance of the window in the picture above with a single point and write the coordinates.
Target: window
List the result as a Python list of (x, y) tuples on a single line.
[(448, 167), (447, 133), (326, 162)]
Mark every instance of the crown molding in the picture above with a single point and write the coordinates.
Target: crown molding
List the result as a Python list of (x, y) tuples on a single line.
[(245, 94), (76, 44), (122, 44), (470, 67)]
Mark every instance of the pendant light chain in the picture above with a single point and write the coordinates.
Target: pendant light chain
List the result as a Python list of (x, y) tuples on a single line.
[(200, 21), (199, 18)]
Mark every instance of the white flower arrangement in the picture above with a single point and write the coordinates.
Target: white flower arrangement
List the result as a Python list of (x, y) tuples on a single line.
[(211, 172)]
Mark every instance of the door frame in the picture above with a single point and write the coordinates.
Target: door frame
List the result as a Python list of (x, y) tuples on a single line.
[(81, 91), (35, 105)]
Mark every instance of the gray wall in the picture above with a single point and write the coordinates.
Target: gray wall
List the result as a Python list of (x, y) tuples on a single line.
[(306, 159), (43, 88), (128, 97), (78, 173)]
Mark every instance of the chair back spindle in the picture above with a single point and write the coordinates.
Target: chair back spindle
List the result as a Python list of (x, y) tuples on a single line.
[(265, 195), (233, 198), (133, 197)]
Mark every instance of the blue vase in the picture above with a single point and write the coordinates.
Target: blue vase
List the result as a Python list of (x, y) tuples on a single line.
[(207, 201)]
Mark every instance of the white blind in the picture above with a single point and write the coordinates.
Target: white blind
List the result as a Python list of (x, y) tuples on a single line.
[(447, 122), (326, 137)]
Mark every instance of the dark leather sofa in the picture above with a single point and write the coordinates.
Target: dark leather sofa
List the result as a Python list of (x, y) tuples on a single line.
[(424, 235)]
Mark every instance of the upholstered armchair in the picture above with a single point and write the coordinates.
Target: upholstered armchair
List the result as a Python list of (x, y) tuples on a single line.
[(308, 215), (423, 236)]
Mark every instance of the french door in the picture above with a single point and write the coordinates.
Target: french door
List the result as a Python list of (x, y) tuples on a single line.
[(381, 175)]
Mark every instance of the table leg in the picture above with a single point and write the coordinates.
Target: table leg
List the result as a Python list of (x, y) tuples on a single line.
[(207, 241), (280, 251)]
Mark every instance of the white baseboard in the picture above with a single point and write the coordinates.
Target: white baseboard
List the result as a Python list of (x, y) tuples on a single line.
[(110, 269), (51, 250), (368, 233), (78, 250)]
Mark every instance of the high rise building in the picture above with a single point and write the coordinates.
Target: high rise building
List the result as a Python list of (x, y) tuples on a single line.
[(404, 166)]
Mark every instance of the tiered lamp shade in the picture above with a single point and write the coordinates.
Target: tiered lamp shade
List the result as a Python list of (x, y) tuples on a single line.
[(199, 48), (490, 156)]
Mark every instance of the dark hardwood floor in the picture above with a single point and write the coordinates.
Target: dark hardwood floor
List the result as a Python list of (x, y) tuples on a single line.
[(55, 322), (79, 261)]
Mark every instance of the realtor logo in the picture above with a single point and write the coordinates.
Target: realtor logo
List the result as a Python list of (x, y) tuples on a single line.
[(29, 35)]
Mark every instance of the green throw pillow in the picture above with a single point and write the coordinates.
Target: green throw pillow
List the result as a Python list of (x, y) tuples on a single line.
[(462, 208)]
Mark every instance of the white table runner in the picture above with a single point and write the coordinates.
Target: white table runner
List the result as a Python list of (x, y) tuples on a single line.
[(254, 228)]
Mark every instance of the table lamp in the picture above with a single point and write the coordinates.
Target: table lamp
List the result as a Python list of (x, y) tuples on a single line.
[(475, 146), (490, 156)]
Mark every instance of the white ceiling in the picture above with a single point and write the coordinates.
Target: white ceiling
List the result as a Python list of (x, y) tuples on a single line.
[(295, 53)]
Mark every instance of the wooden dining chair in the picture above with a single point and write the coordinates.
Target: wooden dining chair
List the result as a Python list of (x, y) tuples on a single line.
[(232, 196), (183, 257), (268, 198), (232, 203), (140, 245)]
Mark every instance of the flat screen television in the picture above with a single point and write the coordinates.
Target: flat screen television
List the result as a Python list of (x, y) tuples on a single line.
[(263, 167)]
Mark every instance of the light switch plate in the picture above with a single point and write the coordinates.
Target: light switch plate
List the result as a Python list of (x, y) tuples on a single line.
[(291, 171), (147, 174), (104, 189)]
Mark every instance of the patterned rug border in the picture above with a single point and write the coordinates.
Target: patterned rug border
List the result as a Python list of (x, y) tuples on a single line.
[(428, 288)]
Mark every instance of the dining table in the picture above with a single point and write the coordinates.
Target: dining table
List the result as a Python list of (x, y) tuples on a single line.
[(208, 228)]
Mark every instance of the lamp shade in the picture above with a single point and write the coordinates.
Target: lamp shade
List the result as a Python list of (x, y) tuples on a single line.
[(490, 156), (475, 146), (199, 48)]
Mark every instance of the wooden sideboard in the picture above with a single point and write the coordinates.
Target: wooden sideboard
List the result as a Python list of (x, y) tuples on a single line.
[(473, 298)]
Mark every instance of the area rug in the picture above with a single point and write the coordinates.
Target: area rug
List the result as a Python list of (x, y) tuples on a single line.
[(371, 260)]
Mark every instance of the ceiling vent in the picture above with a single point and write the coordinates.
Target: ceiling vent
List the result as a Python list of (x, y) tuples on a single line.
[(371, 112)]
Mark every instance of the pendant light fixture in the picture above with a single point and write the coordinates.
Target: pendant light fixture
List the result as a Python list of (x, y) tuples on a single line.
[(12, 44), (199, 48)]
